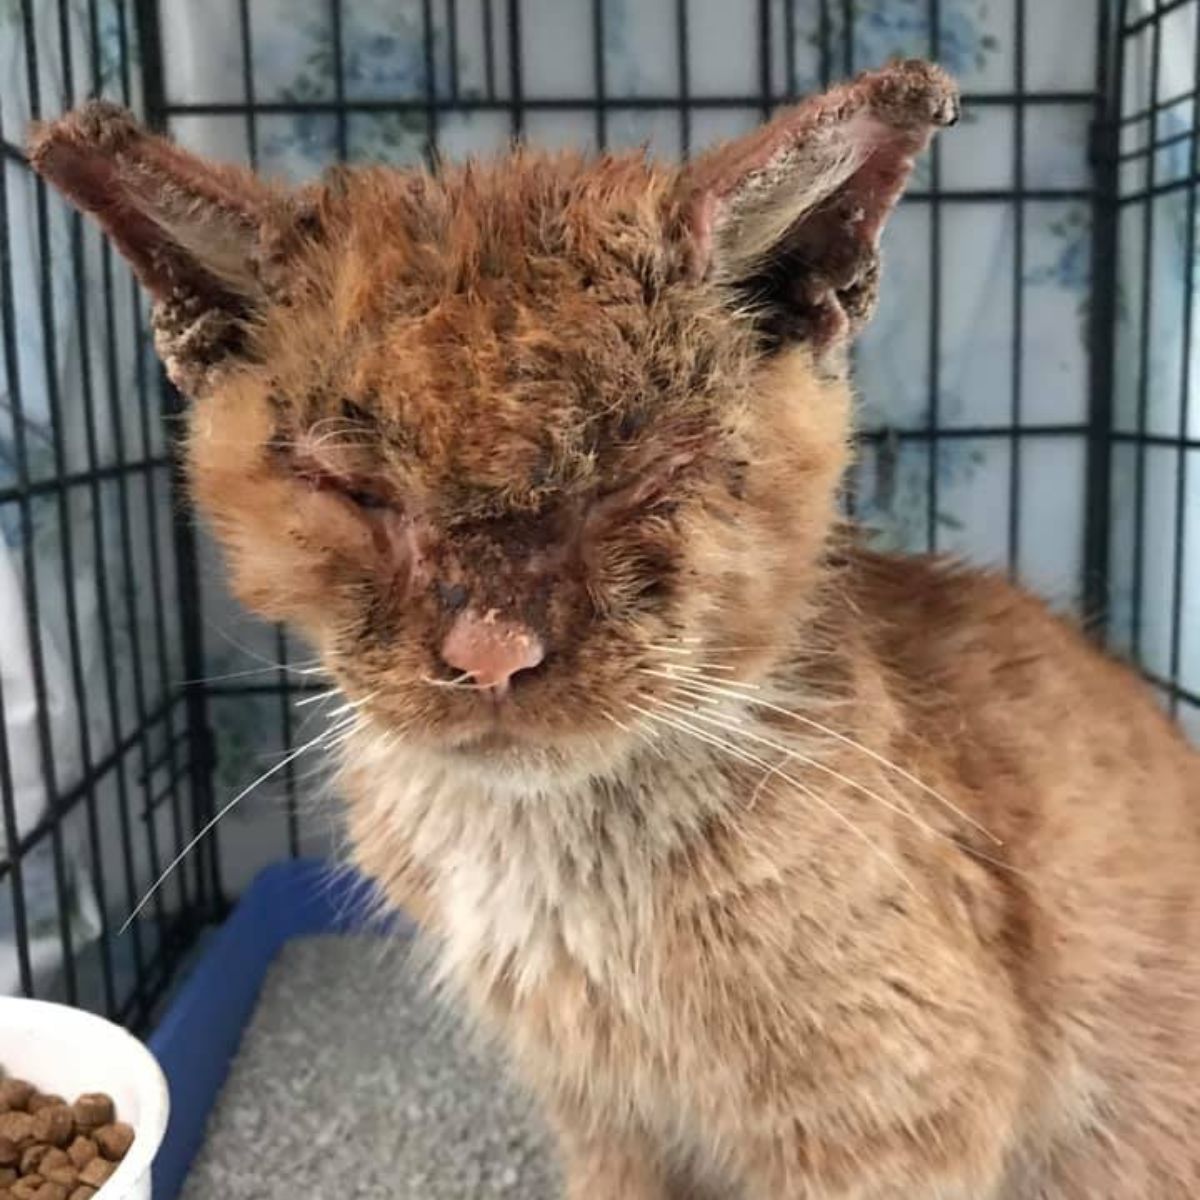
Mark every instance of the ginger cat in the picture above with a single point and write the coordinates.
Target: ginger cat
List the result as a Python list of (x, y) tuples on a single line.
[(782, 868)]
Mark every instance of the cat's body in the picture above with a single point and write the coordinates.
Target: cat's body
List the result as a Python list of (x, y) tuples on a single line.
[(784, 871), (702, 970)]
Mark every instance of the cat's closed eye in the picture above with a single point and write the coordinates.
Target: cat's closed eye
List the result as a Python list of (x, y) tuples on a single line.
[(648, 489), (367, 496), (366, 499)]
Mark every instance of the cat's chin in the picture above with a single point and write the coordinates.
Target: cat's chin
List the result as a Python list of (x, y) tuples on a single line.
[(492, 742), (508, 762)]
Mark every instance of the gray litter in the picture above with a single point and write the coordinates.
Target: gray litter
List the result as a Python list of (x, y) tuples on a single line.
[(352, 1083)]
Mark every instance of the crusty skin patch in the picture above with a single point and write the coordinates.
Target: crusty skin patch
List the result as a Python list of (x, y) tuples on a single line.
[(792, 870)]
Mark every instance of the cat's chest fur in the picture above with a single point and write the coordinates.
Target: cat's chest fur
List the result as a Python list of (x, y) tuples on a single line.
[(524, 884)]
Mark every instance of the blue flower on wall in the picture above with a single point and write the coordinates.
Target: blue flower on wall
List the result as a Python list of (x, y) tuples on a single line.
[(893, 501), (883, 29), (375, 64), (116, 53), (384, 59), (1070, 267)]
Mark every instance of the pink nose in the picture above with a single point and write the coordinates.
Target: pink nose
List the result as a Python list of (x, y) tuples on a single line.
[(490, 649)]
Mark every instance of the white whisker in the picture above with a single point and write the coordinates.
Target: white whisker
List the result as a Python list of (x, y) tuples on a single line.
[(815, 764), (619, 724), (459, 682), (699, 668), (211, 824), (733, 691), (270, 667), (352, 706), (646, 736), (803, 788), (254, 654), (676, 648), (341, 731)]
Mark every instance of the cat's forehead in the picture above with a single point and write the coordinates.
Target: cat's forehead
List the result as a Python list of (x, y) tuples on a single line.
[(524, 225), (515, 327), (464, 399)]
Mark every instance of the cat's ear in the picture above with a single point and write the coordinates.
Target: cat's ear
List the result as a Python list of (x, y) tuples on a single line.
[(193, 231), (788, 217)]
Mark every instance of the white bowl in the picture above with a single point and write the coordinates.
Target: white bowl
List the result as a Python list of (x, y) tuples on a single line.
[(65, 1051)]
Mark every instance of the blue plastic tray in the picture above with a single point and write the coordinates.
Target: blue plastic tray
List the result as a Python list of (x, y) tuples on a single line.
[(198, 1037)]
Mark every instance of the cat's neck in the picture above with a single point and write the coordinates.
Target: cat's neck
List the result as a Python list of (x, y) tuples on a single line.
[(512, 879)]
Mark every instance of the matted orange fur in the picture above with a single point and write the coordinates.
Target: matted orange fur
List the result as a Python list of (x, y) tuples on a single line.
[(783, 869)]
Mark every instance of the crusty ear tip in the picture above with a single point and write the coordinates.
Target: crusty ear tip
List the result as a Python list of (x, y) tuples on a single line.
[(912, 91), (97, 125)]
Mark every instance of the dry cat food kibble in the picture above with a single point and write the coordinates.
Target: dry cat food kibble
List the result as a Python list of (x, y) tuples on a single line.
[(52, 1150)]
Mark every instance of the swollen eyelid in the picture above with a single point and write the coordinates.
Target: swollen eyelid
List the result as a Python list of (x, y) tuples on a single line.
[(362, 496), (366, 499)]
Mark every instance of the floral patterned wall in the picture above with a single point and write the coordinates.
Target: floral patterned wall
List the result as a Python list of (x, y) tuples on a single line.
[(981, 333)]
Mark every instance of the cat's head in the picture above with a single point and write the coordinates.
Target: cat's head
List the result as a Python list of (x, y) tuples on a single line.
[(502, 439)]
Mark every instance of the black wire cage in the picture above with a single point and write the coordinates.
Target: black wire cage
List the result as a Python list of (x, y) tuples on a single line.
[(135, 701)]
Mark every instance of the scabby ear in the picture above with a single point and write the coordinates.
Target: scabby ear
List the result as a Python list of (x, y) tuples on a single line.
[(193, 231), (789, 217)]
